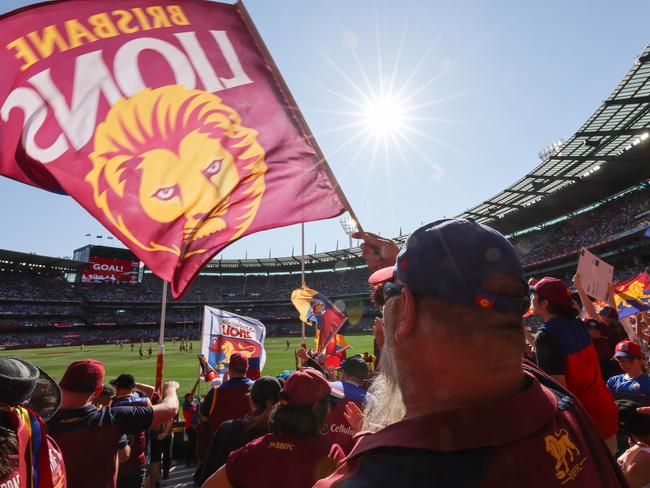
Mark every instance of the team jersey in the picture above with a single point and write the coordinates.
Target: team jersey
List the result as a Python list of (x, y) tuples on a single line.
[(276, 460), (228, 401), (89, 437), (137, 441), (539, 437), (564, 347), (637, 388), (337, 429)]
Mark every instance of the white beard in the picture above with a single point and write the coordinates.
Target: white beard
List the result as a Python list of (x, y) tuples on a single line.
[(387, 406)]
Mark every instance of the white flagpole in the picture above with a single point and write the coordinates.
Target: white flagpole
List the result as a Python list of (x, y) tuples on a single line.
[(160, 360)]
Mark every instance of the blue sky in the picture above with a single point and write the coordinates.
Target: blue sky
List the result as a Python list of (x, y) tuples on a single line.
[(487, 85)]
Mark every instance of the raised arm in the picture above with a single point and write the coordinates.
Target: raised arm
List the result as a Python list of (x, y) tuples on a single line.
[(584, 298), (168, 406), (378, 252)]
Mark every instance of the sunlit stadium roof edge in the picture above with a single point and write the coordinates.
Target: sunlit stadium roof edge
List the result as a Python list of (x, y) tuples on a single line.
[(607, 155)]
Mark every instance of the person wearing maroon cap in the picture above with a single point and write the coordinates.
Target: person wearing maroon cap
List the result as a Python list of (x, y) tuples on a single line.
[(293, 454), (453, 403), (89, 437), (226, 402), (634, 384), (566, 351)]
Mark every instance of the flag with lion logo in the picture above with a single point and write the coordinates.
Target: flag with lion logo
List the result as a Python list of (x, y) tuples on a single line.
[(166, 120), (225, 333)]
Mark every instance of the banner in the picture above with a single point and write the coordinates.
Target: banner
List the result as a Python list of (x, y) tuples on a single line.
[(633, 296), (595, 274), (110, 270), (316, 309), (225, 333), (166, 120)]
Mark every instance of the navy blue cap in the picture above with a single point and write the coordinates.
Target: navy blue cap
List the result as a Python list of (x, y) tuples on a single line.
[(449, 259)]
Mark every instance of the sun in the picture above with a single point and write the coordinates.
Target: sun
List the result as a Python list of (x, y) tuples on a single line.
[(384, 115)]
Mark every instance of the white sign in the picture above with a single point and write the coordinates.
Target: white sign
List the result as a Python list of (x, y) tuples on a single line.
[(595, 274)]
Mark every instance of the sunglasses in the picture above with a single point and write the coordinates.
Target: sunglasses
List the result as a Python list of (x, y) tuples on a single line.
[(385, 292)]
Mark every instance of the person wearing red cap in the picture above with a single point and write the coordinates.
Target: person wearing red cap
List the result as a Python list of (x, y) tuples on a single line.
[(566, 351), (634, 384), (294, 453), (89, 437), (226, 402), (453, 403)]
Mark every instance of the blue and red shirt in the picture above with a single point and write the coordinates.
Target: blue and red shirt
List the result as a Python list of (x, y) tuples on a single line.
[(138, 441), (564, 347)]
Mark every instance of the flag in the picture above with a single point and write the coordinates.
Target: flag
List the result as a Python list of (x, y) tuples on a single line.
[(335, 350), (225, 333), (317, 310), (633, 296), (168, 122)]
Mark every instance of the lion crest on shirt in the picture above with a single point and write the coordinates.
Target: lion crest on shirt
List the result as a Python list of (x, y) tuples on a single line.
[(566, 454)]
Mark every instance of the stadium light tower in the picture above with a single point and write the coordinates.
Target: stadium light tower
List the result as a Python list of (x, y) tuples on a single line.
[(349, 225), (551, 150)]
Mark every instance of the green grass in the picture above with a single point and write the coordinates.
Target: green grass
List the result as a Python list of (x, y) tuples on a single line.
[(179, 366)]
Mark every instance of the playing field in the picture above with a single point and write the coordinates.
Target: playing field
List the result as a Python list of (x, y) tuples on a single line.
[(179, 366)]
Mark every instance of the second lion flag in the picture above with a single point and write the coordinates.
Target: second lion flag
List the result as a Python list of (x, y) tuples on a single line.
[(225, 333), (167, 121)]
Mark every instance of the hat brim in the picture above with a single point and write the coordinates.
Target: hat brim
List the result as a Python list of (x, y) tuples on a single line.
[(336, 393), (46, 397), (382, 275), (626, 355)]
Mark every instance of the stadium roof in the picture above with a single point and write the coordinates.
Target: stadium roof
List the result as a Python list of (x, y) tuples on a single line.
[(32, 263), (607, 155), (345, 258)]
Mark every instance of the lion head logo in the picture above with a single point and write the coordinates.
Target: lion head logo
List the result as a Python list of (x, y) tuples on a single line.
[(179, 157)]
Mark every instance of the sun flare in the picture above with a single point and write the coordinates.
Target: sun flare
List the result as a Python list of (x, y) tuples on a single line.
[(384, 115)]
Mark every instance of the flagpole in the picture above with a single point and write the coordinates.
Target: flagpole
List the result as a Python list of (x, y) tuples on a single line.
[(293, 109), (302, 274), (160, 360)]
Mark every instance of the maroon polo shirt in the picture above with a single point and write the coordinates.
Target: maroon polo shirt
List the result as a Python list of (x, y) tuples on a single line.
[(275, 460), (89, 437), (229, 401), (538, 437)]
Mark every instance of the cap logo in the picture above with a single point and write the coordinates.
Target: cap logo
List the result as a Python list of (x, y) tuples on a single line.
[(404, 265), (484, 302), (624, 347)]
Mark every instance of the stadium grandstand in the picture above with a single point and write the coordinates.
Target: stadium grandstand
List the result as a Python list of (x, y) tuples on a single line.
[(592, 191)]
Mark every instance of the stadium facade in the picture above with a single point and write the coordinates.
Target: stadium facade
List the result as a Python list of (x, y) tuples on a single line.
[(592, 190)]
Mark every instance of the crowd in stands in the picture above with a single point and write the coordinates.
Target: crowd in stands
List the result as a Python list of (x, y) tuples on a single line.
[(583, 396), (603, 223)]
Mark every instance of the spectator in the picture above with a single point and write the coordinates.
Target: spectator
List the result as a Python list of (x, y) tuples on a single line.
[(79, 424), (566, 352), (456, 291), (233, 434), (190, 408), (28, 396), (635, 462), (229, 400), (132, 471), (105, 397), (634, 384), (604, 349), (293, 454), (353, 374)]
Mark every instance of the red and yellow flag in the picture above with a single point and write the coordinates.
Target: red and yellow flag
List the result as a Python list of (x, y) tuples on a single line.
[(166, 120)]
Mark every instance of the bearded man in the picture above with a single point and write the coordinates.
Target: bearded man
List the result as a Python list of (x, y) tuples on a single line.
[(454, 406)]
